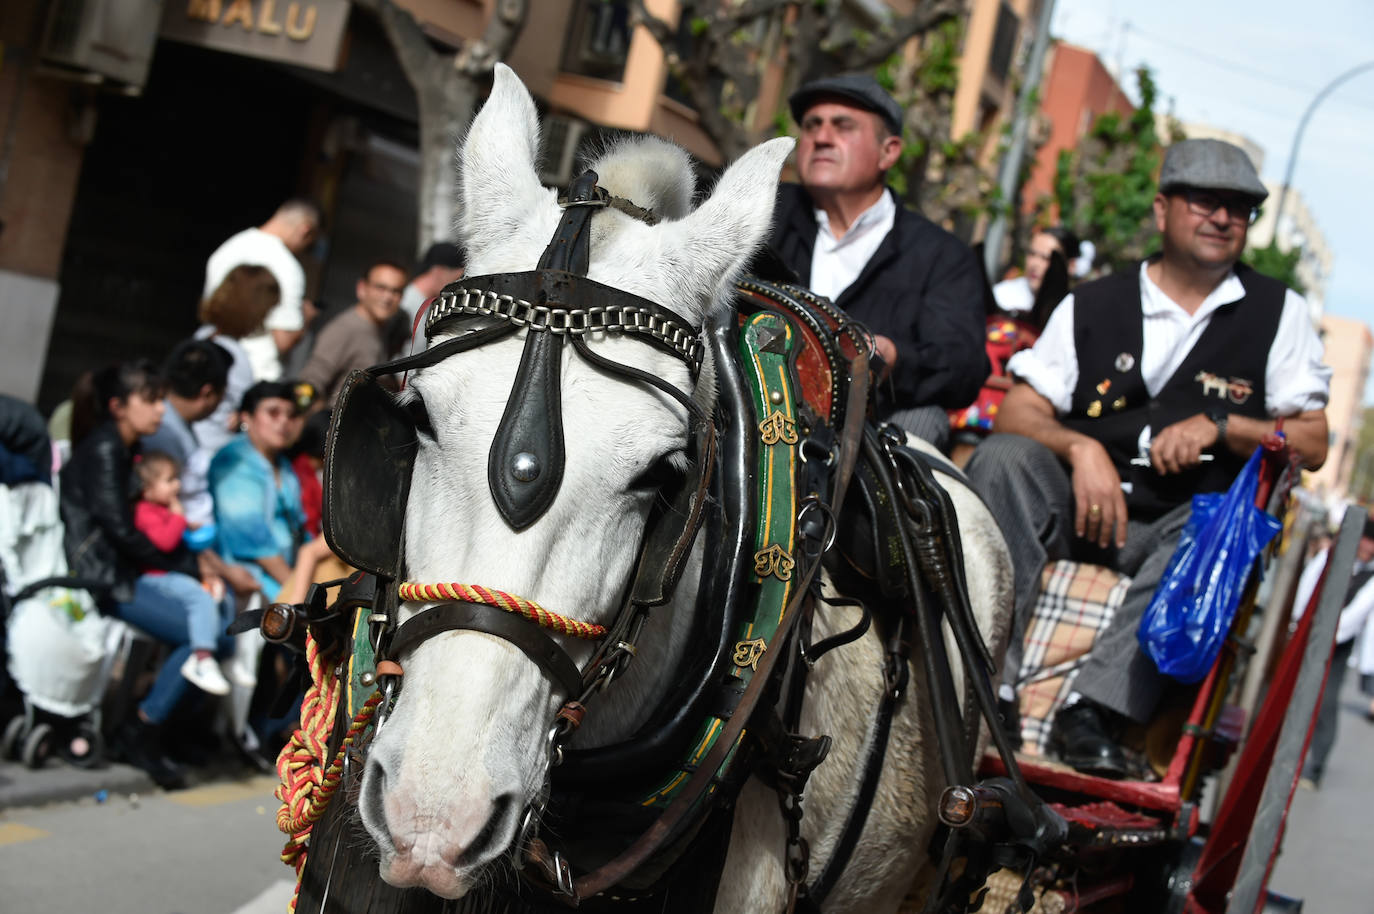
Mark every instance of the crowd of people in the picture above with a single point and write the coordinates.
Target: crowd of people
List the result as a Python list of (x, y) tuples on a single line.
[(190, 490), (1087, 415)]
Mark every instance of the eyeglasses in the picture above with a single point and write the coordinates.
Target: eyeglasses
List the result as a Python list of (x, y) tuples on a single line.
[(390, 290), (1241, 210)]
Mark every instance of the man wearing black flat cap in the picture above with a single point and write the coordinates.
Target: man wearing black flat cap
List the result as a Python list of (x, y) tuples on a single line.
[(1146, 388), (846, 236)]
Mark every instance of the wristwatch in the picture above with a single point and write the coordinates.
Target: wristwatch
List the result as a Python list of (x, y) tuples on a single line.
[(1218, 418)]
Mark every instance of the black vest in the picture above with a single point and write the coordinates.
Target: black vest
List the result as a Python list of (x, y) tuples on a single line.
[(1225, 370), (1357, 582)]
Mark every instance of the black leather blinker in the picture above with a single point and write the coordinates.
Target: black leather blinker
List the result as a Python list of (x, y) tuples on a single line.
[(525, 465)]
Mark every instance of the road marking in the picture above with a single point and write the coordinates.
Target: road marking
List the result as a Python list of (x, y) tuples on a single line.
[(14, 833), (259, 788)]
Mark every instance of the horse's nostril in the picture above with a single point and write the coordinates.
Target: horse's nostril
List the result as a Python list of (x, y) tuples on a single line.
[(371, 801), (503, 810)]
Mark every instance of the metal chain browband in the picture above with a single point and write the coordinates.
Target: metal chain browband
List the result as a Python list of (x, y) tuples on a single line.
[(533, 301)]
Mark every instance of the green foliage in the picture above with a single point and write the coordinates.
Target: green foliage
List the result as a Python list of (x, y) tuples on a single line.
[(1105, 188), (939, 69), (1281, 265)]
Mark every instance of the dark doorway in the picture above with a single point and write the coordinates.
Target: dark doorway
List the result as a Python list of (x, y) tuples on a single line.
[(213, 145)]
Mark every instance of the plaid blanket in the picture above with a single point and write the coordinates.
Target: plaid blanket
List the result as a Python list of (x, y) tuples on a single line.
[(1076, 602)]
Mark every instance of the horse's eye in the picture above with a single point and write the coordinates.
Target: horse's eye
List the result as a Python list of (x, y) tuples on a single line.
[(416, 412), (663, 473)]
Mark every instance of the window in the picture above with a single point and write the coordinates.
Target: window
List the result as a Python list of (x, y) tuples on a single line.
[(598, 40), (1003, 42)]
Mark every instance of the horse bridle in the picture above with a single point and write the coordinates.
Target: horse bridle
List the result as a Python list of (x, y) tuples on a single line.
[(373, 440)]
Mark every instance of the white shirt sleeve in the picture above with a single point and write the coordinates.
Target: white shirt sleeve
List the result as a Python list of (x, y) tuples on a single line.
[(1307, 583), (1356, 612), (254, 246), (1295, 380), (287, 315), (1051, 365)]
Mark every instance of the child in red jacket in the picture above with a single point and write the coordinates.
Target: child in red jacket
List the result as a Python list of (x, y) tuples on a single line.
[(159, 515)]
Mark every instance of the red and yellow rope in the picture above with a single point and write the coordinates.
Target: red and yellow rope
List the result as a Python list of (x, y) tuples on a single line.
[(307, 785), (471, 593)]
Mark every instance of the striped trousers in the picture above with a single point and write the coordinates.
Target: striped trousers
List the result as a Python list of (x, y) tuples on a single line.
[(1029, 493)]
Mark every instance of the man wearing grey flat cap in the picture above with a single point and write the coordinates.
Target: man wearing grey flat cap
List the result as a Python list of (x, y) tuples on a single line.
[(844, 234), (1146, 388)]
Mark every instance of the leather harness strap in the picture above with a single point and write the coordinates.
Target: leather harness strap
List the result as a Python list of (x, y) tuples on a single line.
[(489, 620), (661, 831)]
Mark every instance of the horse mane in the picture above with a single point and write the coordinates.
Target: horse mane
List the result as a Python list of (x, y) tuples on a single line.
[(647, 170)]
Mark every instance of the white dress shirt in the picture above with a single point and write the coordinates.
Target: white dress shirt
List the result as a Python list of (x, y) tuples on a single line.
[(1014, 295), (1354, 614), (837, 262), (1295, 379)]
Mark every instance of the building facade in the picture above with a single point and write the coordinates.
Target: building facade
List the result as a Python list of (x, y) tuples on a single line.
[(1299, 230), (128, 168), (1077, 90), (1348, 344)]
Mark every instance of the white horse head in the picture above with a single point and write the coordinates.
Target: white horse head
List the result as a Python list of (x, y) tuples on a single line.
[(464, 753)]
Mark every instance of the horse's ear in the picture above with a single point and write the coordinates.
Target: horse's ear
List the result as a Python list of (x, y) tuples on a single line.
[(497, 171), (717, 240)]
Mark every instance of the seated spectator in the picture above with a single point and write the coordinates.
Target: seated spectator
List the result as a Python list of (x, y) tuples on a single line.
[(1136, 376), (25, 449), (1047, 267), (103, 544), (160, 516), (257, 498), (443, 263), (1023, 306), (197, 373), (233, 311), (355, 338)]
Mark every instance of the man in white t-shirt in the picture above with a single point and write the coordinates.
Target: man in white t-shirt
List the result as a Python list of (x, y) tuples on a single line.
[(1145, 388), (274, 245)]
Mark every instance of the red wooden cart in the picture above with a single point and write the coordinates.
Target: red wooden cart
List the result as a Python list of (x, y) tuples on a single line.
[(1147, 845)]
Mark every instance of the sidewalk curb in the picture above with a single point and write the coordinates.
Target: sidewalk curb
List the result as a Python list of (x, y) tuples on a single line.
[(57, 782)]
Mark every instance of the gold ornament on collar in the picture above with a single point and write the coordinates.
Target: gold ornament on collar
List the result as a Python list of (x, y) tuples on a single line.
[(773, 561), (777, 427), (747, 653)]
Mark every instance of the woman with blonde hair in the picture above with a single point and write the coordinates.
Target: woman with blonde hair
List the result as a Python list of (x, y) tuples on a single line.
[(235, 309)]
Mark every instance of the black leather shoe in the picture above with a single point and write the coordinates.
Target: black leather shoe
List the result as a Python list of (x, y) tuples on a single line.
[(138, 743), (1079, 737)]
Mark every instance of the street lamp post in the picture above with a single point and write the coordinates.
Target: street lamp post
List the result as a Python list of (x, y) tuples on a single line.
[(1011, 162), (1297, 137)]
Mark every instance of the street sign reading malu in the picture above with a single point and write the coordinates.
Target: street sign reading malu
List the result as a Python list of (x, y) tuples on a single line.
[(307, 33)]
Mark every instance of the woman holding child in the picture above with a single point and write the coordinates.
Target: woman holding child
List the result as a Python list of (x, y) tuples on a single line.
[(159, 590)]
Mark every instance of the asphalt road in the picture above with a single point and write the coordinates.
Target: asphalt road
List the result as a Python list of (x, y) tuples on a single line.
[(213, 849), (207, 850), (1328, 851)]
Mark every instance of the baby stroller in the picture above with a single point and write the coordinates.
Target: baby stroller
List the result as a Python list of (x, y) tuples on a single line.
[(60, 650)]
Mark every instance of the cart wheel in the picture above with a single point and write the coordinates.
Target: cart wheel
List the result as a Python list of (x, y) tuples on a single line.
[(38, 745), (13, 739), (85, 748)]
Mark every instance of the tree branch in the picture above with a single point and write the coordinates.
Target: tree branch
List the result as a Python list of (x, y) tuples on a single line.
[(663, 32), (477, 58), (408, 39), (895, 34)]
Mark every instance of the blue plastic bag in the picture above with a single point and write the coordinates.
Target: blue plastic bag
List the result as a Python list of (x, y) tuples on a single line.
[(1191, 611)]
